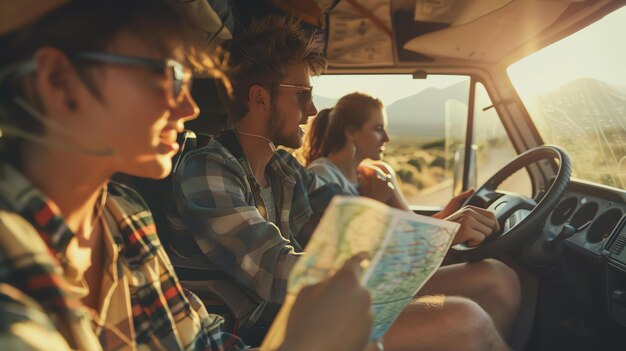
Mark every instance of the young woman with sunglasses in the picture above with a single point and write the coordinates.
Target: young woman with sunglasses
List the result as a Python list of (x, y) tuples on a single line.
[(89, 89)]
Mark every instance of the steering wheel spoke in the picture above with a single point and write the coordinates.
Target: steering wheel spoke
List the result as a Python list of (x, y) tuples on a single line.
[(518, 215), (484, 197), (508, 205)]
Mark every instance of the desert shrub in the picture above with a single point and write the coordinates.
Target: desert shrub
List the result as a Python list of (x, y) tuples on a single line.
[(405, 175), (417, 163), (438, 162)]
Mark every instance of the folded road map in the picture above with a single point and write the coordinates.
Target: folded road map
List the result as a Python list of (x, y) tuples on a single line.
[(406, 249)]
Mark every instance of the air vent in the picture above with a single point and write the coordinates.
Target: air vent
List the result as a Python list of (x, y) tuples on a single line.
[(618, 244), (617, 248)]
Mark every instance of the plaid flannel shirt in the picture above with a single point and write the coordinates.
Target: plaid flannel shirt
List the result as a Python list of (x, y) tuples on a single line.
[(141, 297), (218, 220)]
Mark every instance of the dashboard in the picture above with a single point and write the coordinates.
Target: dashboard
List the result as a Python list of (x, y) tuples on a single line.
[(592, 258), (595, 212)]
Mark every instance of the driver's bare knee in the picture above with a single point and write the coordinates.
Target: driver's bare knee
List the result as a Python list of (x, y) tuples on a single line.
[(470, 324), (444, 323), (500, 284), (497, 289)]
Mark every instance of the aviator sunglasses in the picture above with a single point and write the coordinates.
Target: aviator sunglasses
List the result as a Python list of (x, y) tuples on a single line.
[(304, 96)]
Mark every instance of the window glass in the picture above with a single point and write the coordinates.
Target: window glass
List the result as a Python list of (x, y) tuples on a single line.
[(575, 92), (426, 123), (493, 146)]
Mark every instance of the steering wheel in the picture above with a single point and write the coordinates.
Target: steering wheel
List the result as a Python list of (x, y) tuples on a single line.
[(518, 216)]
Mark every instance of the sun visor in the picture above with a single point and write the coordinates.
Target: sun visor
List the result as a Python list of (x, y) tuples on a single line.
[(454, 12), (360, 34), (374, 32), (491, 36), (212, 19)]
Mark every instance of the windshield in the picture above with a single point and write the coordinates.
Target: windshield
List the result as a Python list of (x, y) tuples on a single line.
[(575, 92), (426, 126)]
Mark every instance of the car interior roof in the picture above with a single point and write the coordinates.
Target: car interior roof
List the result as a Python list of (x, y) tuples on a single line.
[(501, 36), (450, 34)]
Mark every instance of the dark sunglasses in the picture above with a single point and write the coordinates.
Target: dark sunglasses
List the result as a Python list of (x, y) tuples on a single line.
[(177, 75), (304, 96)]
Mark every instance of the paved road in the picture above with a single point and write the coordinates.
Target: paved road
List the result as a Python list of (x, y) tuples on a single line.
[(441, 193)]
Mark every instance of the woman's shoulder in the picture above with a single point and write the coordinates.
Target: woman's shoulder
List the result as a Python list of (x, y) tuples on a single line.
[(322, 164), (324, 168), (327, 170)]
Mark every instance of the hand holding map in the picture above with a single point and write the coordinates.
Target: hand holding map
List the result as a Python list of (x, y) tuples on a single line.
[(321, 312), (406, 249)]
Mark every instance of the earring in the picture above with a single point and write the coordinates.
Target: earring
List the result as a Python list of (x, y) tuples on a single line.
[(353, 150)]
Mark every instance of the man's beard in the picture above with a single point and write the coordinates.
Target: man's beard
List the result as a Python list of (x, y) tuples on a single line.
[(276, 128)]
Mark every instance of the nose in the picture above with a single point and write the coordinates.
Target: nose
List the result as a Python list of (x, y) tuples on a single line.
[(312, 110), (385, 136), (185, 111)]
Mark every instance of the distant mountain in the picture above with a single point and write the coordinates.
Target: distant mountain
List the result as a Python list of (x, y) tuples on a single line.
[(576, 85), (583, 103), (586, 117), (322, 102), (423, 114), (585, 106)]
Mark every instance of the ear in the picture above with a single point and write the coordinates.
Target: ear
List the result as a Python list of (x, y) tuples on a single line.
[(57, 82), (259, 98), (350, 134)]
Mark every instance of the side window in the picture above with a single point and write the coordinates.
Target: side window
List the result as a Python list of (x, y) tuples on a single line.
[(425, 137), (493, 146), (579, 103)]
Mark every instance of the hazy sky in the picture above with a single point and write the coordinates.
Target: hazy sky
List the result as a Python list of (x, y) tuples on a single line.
[(589, 53), (388, 87), (598, 51)]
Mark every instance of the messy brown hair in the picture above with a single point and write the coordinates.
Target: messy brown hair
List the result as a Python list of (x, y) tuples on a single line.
[(260, 54)]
